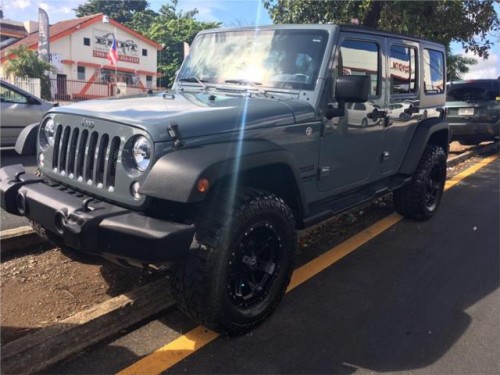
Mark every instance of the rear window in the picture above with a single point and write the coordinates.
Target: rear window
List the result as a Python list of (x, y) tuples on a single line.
[(470, 91)]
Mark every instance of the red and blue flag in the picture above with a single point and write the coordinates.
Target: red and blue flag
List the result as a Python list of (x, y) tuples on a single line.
[(113, 53)]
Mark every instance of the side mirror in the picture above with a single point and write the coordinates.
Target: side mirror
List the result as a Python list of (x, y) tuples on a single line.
[(32, 100), (354, 89)]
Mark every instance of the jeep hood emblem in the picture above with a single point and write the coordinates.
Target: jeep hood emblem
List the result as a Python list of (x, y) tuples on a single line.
[(88, 124)]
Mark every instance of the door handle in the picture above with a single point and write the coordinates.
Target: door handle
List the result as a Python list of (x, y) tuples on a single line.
[(376, 114)]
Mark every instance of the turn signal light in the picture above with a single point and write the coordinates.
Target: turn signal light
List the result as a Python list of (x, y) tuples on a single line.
[(203, 185)]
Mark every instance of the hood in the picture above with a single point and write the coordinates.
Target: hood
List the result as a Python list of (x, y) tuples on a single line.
[(196, 114)]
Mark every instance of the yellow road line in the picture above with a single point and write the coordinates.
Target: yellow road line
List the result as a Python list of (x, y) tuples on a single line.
[(473, 169), (172, 353), (182, 347)]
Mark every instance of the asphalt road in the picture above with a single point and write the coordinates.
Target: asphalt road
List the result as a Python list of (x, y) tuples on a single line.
[(420, 298), (8, 157)]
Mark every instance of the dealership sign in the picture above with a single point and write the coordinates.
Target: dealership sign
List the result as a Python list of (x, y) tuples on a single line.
[(127, 49)]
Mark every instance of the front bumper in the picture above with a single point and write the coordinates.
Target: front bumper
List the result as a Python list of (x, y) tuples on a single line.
[(92, 226)]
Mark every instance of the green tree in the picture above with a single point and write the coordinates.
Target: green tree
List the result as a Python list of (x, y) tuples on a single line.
[(171, 28), (458, 65), (122, 11), (472, 23), (25, 63)]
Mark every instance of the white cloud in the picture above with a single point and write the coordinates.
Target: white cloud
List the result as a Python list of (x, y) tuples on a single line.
[(489, 68), (17, 4), (205, 9), (44, 6)]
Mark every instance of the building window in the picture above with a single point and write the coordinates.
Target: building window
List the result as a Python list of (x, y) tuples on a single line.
[(144, 52), (149, 82), (81, 73), (86, 41)]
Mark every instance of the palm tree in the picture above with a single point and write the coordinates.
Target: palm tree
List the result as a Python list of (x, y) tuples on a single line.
[(26, 63)]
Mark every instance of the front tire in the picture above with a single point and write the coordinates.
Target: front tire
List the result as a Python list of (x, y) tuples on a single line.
[(420, 198), (238, 272)]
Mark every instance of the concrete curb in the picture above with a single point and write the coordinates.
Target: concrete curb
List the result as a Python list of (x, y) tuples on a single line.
[(468, 154), (47, 346), (18, 238)]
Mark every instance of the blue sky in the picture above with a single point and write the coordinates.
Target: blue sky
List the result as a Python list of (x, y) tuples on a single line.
[(229, 12)]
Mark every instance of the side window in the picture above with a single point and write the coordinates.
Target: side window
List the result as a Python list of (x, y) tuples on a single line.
[(10, 96), (361, 58), (403, 69), (434, 78)]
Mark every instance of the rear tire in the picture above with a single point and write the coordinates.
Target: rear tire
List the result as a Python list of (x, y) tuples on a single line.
[(236, 275), (420, 198)]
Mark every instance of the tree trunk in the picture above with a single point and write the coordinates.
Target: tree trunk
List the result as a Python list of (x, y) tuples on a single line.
[(373, 16)]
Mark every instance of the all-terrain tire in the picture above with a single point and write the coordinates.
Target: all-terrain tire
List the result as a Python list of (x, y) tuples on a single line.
[(237, 273), (420, 198)]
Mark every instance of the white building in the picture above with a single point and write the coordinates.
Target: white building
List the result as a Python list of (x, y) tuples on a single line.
[(79, 51)]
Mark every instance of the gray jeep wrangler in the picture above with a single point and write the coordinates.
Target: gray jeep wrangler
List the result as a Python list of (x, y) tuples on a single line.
[(266, 131)]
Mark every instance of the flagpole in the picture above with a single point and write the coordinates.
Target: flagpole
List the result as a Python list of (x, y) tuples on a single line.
[(116, 65)]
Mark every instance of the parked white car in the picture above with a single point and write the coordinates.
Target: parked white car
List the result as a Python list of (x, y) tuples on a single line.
[(19, 108), (357, 114)]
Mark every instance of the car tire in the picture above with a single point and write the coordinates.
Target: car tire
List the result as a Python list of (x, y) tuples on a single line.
[(241, 264), (420, 198), (364, 123)]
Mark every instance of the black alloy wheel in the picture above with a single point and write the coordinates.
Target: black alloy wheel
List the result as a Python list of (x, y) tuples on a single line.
[(254, 265)]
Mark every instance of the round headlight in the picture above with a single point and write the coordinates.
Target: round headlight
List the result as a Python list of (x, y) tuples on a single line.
[(141, 152), (47, 133)]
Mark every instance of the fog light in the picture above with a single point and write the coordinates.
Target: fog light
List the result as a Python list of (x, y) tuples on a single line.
[(41, 159), (134, 190), (59, 220)]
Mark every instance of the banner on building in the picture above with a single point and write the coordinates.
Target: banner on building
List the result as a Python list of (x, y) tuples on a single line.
[(43, 35)]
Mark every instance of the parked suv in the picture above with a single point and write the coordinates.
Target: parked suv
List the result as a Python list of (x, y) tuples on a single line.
[(214, 178), (474, 110)]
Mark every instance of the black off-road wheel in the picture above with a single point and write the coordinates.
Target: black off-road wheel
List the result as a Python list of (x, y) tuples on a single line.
[(237, 273), (420, 198)]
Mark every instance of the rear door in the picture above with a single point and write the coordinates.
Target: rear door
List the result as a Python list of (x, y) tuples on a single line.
[(403, 101)]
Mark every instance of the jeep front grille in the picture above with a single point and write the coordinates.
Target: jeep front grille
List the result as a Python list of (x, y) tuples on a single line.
[(86, 155)]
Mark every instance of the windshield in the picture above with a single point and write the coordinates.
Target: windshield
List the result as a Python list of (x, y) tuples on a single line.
[(288, 59), (473, 91)]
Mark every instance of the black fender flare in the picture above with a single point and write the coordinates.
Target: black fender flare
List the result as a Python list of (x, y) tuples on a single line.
[(26, 141), (426, 130), (175, 175)]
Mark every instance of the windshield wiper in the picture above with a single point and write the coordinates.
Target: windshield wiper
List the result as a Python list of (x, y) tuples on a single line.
[(249, 83), (194, 79)]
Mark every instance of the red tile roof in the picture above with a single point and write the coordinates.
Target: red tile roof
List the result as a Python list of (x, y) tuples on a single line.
[(63, 28)]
